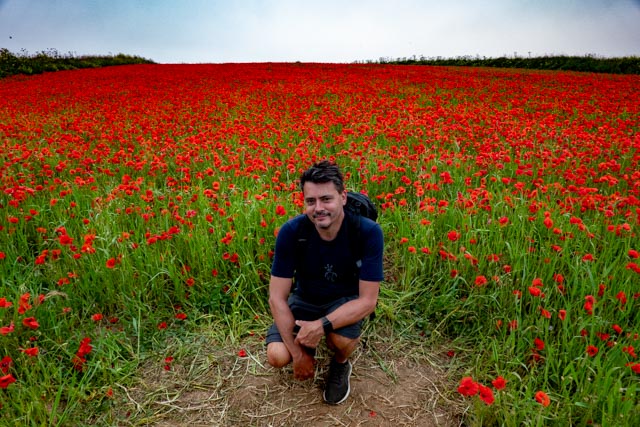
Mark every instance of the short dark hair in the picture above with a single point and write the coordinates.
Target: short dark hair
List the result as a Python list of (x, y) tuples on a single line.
[(321, 172)]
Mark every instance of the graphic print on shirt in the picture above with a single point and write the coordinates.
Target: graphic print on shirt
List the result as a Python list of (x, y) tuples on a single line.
[(329, 274)]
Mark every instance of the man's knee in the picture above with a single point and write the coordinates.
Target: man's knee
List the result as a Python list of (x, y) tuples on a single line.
[(277, 355), (341, 343)]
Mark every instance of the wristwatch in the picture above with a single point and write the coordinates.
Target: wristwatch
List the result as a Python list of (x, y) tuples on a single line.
[(326, 325)]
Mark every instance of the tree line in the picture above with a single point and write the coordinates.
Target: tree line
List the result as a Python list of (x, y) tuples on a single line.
[(51, 60), (587, 63)]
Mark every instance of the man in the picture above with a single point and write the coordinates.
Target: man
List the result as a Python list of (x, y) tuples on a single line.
[(334, 290)]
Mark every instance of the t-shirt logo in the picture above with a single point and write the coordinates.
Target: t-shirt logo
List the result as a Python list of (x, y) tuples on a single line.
[(329, 274)]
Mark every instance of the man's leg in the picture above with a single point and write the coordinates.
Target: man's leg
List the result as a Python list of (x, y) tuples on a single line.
[(342, 346), (278, 355), (338, 384)]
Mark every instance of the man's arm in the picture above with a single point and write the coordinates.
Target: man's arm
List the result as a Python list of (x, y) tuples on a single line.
[(347, 314), (279, 289)]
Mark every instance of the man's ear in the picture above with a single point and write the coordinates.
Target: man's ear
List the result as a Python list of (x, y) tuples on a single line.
[(344, 197)]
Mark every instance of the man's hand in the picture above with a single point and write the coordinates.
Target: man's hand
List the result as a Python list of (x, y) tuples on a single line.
[(303, 366), (310, 333)]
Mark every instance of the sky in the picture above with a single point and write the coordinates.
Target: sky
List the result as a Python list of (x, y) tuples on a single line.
[(217, 31)]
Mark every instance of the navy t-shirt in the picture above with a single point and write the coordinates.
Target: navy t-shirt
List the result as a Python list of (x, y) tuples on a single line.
[(329, 270)]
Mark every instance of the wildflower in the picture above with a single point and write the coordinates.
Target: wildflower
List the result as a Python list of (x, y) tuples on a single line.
[(453, 235), (5, 364), (30, 322), (162, 325), (4, 303), (242, 353), (534, 291), (468, 387), (23, 303), (562, 314), (499, 383), (486, 394), (481, 280), (97, 317), (592, 350), (181, 316), (111, 263), (622, 297), (539, 344), (542, 398), (588, 304), (633, 253), (32, 351), (7, 380)]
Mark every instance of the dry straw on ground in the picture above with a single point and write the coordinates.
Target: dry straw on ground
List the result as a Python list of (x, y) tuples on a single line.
[(391, 385)]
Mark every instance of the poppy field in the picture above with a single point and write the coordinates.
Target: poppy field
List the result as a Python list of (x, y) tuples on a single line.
[(140, 204)]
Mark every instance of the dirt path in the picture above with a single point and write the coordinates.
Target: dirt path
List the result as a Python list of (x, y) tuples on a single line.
[(399, 386)]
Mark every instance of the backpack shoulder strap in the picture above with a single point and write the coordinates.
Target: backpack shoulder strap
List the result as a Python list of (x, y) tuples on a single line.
[(354, 234), (303, 234)]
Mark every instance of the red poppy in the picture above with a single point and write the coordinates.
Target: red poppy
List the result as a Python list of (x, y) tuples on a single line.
[(592, 350), (499, 383), (481, 280), (242, 353), (5, 364), (111, 263), (486, 394), (539, 344), (542, 398), (32, 351), (468, 387), (7, 380), (30, 322)]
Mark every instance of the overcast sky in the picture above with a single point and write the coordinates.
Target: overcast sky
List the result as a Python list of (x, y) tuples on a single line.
[(175, 31)]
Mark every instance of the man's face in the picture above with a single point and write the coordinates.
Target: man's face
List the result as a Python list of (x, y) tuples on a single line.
[(324, 204)]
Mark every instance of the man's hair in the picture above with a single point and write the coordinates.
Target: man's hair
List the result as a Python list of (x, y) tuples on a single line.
[(323, 172)]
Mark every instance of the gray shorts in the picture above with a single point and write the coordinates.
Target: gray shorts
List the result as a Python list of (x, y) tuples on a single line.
[(304, 311)]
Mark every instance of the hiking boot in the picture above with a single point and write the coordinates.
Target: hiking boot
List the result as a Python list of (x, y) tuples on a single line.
[(337, 388)]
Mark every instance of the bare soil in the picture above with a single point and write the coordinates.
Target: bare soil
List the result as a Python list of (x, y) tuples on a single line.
[(397, 384)]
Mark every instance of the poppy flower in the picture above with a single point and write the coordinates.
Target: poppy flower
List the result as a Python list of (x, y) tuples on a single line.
[(468, 387), (592, 350), (499, 383), (7, 380), (30, 322), (481, 280), (242, 353), (32, 351), (542, 398), (5, 364), (486, 394)]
